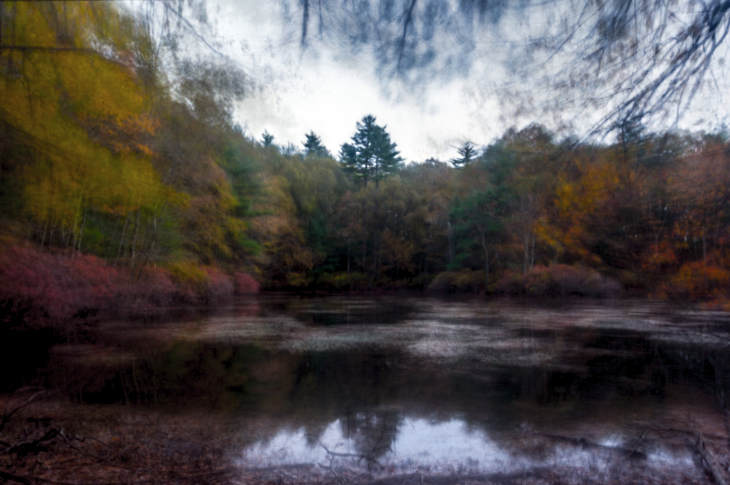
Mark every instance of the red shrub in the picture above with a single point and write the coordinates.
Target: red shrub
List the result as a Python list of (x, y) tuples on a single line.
[(245, 284), (151, 288), (219, 284), (38, 286), (54, 286)]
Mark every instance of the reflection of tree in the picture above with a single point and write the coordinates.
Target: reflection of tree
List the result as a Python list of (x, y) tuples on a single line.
[(192, 373), (372, 431)]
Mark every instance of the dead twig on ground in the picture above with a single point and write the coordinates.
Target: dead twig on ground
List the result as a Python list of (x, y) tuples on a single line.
[(7, 414), (716, 470)]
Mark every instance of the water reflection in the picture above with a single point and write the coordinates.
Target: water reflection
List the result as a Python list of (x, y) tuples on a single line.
[(416, 382), (400, 444), (446, 447)]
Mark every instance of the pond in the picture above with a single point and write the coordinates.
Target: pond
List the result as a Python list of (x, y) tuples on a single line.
[(401, 385)]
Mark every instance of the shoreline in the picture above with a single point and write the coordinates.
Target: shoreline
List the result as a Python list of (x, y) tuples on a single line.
[(67, 442)]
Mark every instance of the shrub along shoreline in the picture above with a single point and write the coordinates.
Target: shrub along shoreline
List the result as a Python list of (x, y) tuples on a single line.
[(39, 288), (42, 287)]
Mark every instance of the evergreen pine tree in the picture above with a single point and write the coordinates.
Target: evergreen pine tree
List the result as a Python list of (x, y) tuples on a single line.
[(468, 153), (313, 146), (371, 155), (268, 139)]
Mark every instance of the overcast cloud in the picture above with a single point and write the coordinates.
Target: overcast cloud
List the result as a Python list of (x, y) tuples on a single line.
[(328, 92)]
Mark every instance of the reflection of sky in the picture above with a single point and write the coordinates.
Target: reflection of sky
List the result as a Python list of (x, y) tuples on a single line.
[(419, 443), (443, 448)]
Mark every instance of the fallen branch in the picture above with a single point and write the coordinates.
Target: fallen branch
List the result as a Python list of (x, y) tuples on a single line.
[(343, 455), (716, 470), (9, 414), (29, 445), (9, 477)]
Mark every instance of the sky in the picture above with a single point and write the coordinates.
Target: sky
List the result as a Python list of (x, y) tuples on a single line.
[(295, 91), (328, 93)]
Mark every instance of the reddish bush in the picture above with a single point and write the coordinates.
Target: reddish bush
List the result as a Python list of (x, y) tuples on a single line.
[(43, 287), (559, 280), (151, 288), (220, 284), (696, 281), (54, 286), (245, 284), (511, 283)]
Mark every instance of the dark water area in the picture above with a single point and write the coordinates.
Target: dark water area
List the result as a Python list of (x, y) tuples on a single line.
[(416, 383)]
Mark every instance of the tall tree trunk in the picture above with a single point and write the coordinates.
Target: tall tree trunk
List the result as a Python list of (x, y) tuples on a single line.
[(532, 257), (134, 237), (526, 251), (486, 263), (449, 237), (81, 230), (45, 228), (121, 239), (349, 280)]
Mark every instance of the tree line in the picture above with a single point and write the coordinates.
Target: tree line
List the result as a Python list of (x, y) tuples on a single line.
[(107, 150)]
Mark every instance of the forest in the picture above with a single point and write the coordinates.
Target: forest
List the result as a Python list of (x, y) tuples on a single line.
[(124, 183)]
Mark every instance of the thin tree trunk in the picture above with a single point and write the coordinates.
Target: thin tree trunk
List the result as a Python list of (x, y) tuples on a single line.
[(81, 231), (450, 241), (532, 258), (526, 250), (486, 263), (45, 227), (349, 281), (50, 234), (134, 237), (121, 239)]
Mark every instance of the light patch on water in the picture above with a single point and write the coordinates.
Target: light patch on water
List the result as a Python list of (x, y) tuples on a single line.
[(445, 446), (612, 441), (290, 448), (420, 444), (663, 458)]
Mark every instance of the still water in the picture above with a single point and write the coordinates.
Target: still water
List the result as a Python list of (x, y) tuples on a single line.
[(408, 384)]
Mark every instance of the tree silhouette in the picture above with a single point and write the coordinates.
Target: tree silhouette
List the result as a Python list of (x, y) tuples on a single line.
[(371, 155), (468, 154), (313, 145), (267, 139)]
